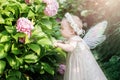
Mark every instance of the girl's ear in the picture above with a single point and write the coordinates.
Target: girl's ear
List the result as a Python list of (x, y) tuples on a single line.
[(72, 32)]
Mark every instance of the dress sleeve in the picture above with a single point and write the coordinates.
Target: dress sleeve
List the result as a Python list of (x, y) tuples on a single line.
[(72, 46), (73, 43)]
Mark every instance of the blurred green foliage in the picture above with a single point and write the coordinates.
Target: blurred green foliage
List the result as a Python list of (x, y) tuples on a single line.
[(108, 53)]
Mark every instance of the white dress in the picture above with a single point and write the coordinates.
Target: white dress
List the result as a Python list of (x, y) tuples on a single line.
[(81, 64)]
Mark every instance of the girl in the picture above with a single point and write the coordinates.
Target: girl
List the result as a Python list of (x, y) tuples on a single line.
[(80, 64)]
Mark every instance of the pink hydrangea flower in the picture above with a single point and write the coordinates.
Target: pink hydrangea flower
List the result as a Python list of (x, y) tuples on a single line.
[(49, 1), (29, 1), (58, 20), (24, 25), (50, 10), (51, 7), (61, 69), (22, 40)]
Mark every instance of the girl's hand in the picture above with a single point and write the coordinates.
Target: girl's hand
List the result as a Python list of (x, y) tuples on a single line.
[(60, 41), (55, 44), (64, 46)]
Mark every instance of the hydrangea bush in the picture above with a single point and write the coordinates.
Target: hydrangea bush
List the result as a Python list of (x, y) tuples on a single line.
[(27, 31)]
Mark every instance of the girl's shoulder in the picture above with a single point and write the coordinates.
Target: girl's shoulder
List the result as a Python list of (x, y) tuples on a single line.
[(76, 38)]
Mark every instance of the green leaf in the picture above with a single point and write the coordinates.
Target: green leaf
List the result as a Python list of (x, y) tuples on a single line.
[(17, 10), (44, 41), (47, 23), (8, 21), (42, 71), (24, 8), (37, 32), (15, 50), (5, 38), (1, 47), (4, 12), (38, 1), (10, 29), (35, 48), (3, 33), (39, 8), (31, 14), (60, 51), (19, 59), (31, 58), (2, 1), (2, 66), (9, 8), (12, 78), (2, 21), (27, 39), (13, 62), (48, 68), (2, 54), (18, 35), (114, 59), (14, 74)]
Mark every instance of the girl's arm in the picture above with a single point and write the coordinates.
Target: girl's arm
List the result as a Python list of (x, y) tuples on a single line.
[(66, 47)]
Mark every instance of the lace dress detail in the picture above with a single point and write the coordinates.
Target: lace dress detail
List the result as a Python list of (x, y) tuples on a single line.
[(81, 64)]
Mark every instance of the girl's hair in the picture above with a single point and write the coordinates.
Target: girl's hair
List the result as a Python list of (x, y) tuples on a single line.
[(75, 23), (78, 21)]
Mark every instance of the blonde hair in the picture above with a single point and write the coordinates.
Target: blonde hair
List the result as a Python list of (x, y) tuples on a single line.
[(78, 21), (75, 23)]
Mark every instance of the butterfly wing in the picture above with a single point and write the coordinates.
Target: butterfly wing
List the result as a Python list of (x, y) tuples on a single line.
[(95, 35)]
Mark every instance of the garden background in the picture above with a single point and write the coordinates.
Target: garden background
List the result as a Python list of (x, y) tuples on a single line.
[(29, 54)]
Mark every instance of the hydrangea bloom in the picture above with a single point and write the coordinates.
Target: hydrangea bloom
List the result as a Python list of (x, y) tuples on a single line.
[(24, 25), (22, 40), (61, 69), (48, 1), (29, 1), (51, 8), (58, 20)]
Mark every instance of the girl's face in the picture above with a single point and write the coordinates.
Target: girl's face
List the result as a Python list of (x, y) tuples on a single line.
[(66, 30)]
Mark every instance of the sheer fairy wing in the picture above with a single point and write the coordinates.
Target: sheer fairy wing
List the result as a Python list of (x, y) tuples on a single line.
[(95, 35)]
